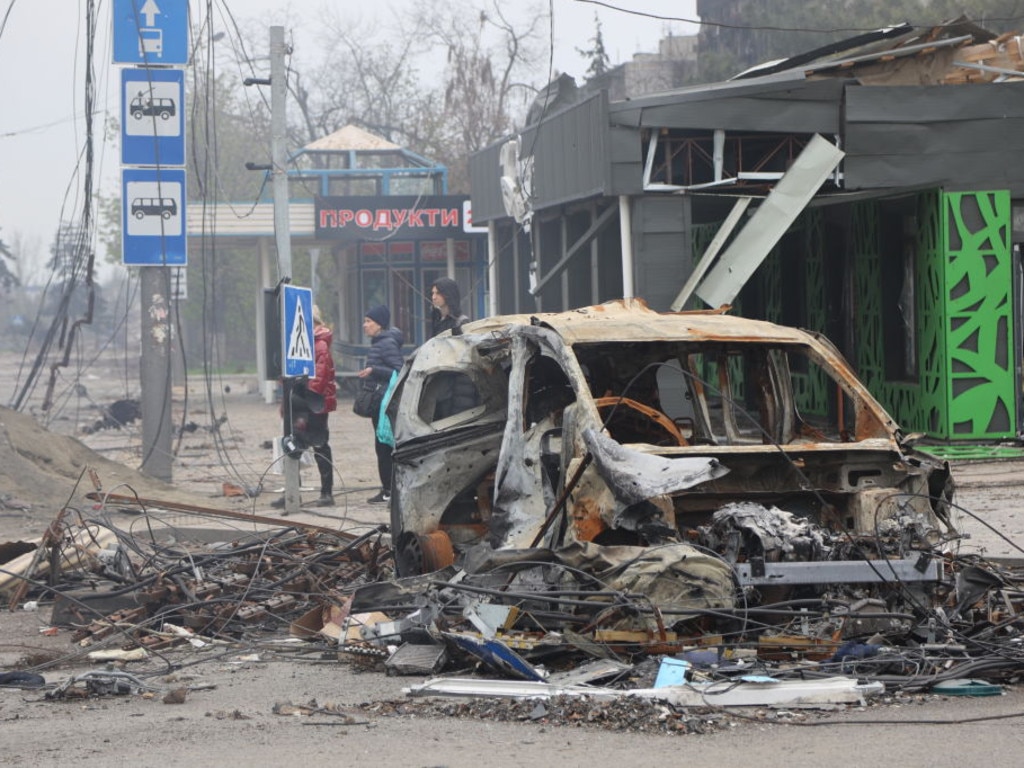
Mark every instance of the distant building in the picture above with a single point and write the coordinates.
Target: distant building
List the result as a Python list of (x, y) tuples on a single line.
[(382, 216)]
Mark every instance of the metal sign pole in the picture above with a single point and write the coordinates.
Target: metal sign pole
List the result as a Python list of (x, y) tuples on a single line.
[(279, 179)]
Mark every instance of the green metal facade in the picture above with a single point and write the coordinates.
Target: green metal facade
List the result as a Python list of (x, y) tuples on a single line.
[(965, 385), (979, 315), (966, 388)]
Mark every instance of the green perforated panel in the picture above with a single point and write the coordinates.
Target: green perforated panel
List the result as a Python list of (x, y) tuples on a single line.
[(980, 359)]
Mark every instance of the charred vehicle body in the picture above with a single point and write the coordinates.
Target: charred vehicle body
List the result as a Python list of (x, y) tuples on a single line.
[(735, 458)]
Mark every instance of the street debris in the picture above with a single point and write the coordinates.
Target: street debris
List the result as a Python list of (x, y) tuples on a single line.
[(547, 547), (344, 715)]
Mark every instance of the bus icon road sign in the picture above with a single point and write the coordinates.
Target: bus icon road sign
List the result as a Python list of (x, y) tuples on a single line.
[(297, 331), (151, 32), (153, 217), (152, 119)]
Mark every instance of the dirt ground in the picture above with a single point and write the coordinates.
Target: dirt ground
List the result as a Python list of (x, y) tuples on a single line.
[(228, 717)]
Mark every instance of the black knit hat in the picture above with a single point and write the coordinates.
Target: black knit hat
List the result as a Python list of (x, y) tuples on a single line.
[(380, 314)]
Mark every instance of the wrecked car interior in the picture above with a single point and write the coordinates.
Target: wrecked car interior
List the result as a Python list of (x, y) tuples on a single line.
[(582, 495)]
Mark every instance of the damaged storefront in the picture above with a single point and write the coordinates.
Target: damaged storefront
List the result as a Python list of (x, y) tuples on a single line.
[(905, 253)]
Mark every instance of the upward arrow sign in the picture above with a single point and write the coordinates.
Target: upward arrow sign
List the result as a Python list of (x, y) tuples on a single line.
[(150, 10)]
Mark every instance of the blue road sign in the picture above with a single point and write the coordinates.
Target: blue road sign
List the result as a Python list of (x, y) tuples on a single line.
[(297, 331), (152, 117), (151, 32), (153, 217)]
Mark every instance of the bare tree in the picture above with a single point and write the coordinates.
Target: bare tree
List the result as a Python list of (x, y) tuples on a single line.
[(488, 54), (444, 82), (368, 78), (8, 278)]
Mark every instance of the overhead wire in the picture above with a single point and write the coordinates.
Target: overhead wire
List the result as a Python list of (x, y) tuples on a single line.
[(7, 15), (705, 22), (73, 253)]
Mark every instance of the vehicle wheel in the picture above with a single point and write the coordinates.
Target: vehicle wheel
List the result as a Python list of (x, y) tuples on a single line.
[(416, 555), (165, 115), (165, 215), (137, 114), (139, 215)]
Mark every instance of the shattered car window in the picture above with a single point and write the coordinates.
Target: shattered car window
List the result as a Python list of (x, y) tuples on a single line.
[(735, 395), (446, 394)]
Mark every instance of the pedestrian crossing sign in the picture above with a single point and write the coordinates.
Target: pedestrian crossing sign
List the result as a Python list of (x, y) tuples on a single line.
[(297, 331)]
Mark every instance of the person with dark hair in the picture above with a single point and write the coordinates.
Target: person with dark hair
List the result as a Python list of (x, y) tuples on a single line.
[(383, 359), (461, 394), (447, 312)]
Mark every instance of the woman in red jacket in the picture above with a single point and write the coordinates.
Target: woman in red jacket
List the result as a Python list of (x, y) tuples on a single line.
[(309, 424), (324, 384)]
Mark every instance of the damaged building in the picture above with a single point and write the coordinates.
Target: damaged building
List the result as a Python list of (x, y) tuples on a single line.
[(898, 240)]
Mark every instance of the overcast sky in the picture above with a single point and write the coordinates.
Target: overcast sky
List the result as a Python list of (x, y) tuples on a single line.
[(42, 54)]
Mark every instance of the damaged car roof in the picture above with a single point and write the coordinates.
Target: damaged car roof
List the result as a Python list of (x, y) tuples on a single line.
[(632, 319)]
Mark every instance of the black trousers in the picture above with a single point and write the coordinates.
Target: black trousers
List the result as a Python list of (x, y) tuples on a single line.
[(384, 464), (322, 453)]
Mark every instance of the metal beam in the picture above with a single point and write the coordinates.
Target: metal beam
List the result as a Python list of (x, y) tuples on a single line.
[(711, 253), (837, 572), (770, 222), (591, 232)]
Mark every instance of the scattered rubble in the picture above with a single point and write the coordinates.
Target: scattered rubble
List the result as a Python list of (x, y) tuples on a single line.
[(540, 628), (646, 584)]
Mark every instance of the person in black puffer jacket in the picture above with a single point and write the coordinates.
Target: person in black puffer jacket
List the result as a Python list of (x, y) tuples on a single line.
[(383, 359)]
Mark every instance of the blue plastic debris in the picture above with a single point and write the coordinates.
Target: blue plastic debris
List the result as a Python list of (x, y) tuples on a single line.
[(851, 651), (671, 672)]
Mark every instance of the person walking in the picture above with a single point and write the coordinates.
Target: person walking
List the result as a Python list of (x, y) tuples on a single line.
[(447, 312), (383, 359), (311, 426)]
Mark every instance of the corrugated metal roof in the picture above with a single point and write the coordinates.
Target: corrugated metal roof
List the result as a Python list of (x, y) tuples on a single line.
[(783, 102), (245, 220), (837, 65)]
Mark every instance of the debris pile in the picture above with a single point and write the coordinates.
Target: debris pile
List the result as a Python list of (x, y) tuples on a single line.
[(675, 629), (591, 517)]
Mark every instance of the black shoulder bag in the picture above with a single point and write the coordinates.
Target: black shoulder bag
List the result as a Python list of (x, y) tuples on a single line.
[(368, 399)]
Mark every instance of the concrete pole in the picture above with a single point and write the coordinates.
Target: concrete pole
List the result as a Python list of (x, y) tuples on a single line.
[(279, 157), (155, 372), (626, 241), (492, 268), (449, 253), (282, 231), (314, 283)]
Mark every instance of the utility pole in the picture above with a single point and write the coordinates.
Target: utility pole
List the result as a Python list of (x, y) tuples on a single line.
[(155, 371), (153, 40), (282, 231)]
